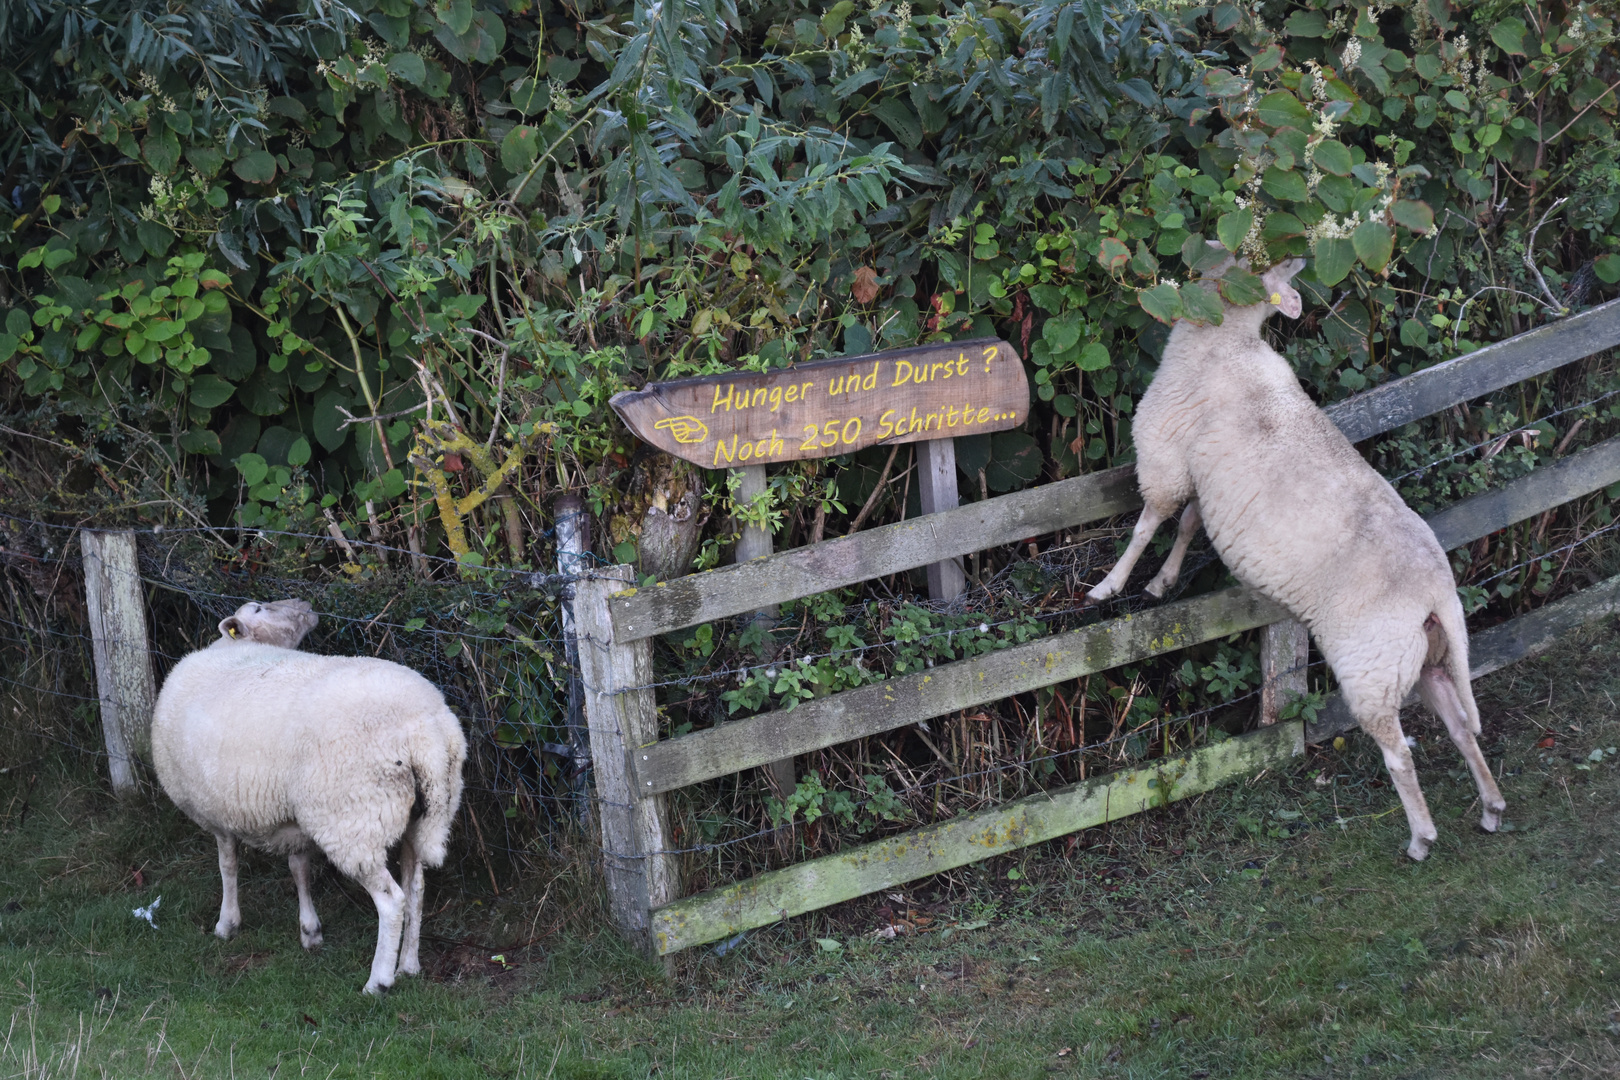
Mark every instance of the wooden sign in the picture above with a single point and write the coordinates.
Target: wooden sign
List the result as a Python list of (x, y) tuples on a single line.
[(832, 406)]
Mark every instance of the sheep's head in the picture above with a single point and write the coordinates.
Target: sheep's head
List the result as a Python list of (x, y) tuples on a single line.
[(280, 622), (1280, 294)]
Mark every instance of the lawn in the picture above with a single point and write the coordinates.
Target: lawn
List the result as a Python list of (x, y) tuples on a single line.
[(1268, 929)]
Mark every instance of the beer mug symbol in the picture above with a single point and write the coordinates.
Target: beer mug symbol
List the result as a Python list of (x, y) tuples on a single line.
[(686, 429)]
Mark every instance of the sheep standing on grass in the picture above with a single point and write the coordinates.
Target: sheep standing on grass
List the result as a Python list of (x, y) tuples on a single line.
[(1299, 516), (293, 752)]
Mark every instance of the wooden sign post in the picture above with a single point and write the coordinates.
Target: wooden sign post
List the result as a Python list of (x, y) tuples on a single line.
[(746, 420)]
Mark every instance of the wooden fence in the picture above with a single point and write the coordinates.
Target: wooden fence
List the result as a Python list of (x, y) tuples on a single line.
[(635, 768)]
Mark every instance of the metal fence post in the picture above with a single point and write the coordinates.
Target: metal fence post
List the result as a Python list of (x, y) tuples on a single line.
[(621, 711), (112, 593)]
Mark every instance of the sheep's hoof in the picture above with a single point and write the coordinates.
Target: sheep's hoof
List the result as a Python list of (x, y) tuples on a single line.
[(1099, 594), (311, 939), (226, 930), (1418, 849), (410, 967), (375, 988), (1157, 588), (1491, 820)]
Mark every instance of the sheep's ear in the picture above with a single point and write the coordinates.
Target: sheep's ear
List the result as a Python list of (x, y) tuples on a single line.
[(231, 627), (1279, 288)]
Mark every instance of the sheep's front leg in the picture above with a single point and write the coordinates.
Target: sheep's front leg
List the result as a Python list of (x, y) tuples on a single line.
[(230, 912), (1386, 731), (390, 900), (309, 923), (1439, 693), (1191, 519), (1146, 526), (410, 877)]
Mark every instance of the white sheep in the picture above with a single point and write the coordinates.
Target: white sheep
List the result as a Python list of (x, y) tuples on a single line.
[(292, 752), (1299, 516)]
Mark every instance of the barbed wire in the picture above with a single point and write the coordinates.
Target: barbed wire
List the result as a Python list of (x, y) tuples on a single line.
[(1525, 428)]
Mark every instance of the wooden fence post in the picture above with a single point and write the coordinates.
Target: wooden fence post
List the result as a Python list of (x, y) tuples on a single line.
[(936, 469), (112, 593), (621, 711), (754, 543), (1284, 651), (573, 541)]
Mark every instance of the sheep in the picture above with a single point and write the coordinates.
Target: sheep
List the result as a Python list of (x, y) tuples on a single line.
[(292, 752), (1297, 514)]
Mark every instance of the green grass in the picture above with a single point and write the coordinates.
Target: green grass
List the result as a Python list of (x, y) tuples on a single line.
[(1247, 934)]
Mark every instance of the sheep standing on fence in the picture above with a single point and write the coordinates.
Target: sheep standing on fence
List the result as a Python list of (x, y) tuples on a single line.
[(292, 752), (1299, 516)]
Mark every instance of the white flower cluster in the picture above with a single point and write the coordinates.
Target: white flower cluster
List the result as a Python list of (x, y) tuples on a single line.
[(562, 102), (1351, 55), (165, 103)]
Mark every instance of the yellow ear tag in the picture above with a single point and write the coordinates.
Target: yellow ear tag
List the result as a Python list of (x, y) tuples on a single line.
[(231, 631), (1276, 298)]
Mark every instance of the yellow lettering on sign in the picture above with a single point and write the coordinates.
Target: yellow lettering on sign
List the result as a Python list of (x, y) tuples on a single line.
[(902, 373), (719, 401), (990, 353), (885, 425), (870, 382), (729, 452)]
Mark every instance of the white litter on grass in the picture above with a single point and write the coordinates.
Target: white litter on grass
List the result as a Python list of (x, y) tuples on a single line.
[(148, 911)]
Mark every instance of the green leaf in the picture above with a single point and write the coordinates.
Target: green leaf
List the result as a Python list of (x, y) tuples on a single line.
[(162, 151), (408, 66), (1163, 302), (1233, 227), (1199, 254), (1334, 258), (208, 391), (1374, 243), (1062, 333), (1332, 156), (519, 149), (828, 944), (200, 441), (299, 452), (457, 15), (1202, 304), (1414, 333), (8, 346), (1508, 34), (1112, 253), (154, 237), (1413, 214), (253, 468), (1309, 24), (178, 122), (1607, 267), (1285, 184), (898, 117), (1282, 109), (256, 167), (1240, 287), (530, 96), (1094, 357)]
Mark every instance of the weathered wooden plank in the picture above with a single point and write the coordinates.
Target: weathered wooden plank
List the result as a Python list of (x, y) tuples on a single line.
[(1579, 474), (635, 832), (1284, 649), (124, 682), (1495, 648), (781, 894), (755, 543), (867, 710), (1492, 367), (936, 477), (832, 564)]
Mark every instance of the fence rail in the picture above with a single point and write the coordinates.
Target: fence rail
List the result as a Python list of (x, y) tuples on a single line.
[(626, 620)]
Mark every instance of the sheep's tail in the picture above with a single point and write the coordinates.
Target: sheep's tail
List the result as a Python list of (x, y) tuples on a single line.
[(437, 755), (1448, 650)]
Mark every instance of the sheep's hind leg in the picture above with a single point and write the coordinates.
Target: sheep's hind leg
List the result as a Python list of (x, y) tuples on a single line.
[(1439, 693), (1386, 731), (390, 900), (410, 877), (1146, 526), (230, 911), (309, 923), (1191, 518)]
